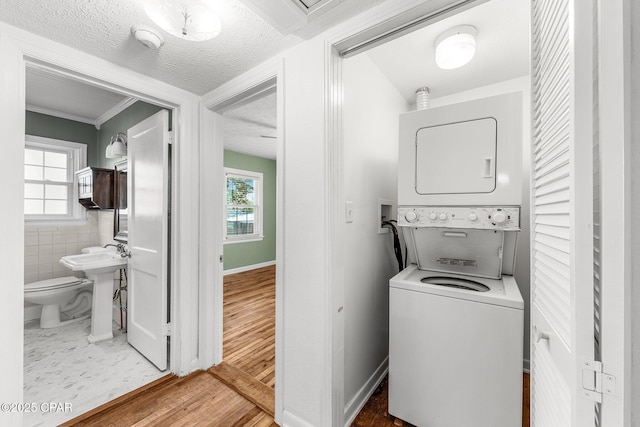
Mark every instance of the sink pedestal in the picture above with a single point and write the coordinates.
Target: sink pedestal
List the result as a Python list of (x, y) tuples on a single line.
[(101, 315), (99, 267)]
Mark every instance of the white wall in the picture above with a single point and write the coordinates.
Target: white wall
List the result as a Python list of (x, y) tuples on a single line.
[(522, 258), (635, 213), (370, 113), (305, 254)]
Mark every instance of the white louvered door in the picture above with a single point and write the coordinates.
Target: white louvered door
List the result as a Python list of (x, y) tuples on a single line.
[(562, 203)]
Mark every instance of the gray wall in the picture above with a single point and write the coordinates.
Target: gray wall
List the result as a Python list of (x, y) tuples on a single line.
[(120, 123), (67, 130), (237, 255)]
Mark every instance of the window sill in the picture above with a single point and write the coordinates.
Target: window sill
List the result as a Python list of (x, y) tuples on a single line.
[(247, 239)]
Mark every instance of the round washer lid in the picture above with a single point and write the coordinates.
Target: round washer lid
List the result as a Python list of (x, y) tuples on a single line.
[(52, 283)]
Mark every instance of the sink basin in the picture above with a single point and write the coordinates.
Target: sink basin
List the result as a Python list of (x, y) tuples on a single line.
[(95, 263)]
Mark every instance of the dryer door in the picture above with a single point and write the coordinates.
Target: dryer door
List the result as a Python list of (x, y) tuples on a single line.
[(457, 158)]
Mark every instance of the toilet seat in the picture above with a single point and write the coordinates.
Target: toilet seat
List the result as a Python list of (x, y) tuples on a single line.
[(57, 283)]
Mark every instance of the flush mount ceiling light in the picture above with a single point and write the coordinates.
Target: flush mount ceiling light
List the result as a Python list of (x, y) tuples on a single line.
[(188, 19), (456, 47), (147, 36)]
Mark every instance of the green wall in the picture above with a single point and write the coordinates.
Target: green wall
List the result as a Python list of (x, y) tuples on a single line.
[(66, 130), (238, 255), (120, 123)]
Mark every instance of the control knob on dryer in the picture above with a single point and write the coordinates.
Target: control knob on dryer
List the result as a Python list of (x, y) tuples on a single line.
[(411, 216), (433, 216), (499, 218)]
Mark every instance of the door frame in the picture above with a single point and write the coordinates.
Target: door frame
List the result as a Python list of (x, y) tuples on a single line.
[(250, 85), (617, 233), (19, 48)]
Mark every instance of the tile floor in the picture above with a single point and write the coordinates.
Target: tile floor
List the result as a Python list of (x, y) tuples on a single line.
[(60, 366)]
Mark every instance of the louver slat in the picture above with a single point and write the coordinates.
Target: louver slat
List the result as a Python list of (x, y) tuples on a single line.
[(551, 204), (551, 168)]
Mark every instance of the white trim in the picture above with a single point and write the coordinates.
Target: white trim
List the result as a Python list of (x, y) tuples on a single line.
[(18, 49), (114, 111), (353, 408), (59, 114), (258, 80), (248, 267), (615, 97), (77, 214), (258, 208), (291, 420)]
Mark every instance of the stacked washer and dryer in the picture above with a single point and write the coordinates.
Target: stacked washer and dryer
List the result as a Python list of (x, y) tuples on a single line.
[(456, 313)]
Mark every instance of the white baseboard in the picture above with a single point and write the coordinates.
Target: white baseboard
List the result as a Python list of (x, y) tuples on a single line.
[(362, 396), (290, 420), (248, 267)]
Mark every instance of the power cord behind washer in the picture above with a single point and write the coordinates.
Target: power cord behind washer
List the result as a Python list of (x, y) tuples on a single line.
[(396, 243)]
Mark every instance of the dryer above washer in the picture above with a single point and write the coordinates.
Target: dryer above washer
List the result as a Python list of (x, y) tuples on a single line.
[(468, 153)]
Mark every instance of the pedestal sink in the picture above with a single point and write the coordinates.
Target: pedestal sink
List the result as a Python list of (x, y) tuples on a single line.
[(98, 267)]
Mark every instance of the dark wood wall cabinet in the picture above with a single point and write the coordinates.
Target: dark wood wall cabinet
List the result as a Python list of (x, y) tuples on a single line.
[(95, 188)]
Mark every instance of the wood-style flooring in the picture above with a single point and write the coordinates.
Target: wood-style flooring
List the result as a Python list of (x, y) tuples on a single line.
[(199, 399), (239, 391), (374, 413), (250, 322)]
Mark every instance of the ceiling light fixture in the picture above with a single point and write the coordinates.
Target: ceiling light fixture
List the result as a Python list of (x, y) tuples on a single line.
[(456, 47), (187, 19)]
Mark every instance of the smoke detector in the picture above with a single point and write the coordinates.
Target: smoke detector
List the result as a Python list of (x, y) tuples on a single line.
[(148, 36)]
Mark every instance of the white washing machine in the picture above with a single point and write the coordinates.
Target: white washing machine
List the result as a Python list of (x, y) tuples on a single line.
[(455, 321), (455, 349)]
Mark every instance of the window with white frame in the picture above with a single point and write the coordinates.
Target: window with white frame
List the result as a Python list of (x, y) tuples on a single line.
[(49, 168), (243, 205)]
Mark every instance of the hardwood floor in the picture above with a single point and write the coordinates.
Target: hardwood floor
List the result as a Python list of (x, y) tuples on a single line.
[(199, 399), (374, 413), (239, 391), (250, 322)]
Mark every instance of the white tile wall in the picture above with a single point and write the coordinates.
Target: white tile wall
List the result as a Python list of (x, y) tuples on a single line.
[(44, 246)]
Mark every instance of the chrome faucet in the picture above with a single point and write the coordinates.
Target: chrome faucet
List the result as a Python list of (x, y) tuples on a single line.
[(121, 248)]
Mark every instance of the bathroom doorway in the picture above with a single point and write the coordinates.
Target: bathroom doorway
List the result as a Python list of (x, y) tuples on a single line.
[(59, 363)]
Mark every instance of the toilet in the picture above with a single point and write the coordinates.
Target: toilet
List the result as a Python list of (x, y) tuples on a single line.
[(64, 299)]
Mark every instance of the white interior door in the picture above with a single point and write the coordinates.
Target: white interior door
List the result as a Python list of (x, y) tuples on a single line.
[(148, 189), (562, 273)]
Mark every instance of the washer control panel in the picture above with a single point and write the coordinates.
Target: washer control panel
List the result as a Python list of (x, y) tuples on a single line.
[(481, 217)]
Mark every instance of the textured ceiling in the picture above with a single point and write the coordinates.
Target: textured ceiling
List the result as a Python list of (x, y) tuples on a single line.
[(103, 28), (502, 51), (251, 128)]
